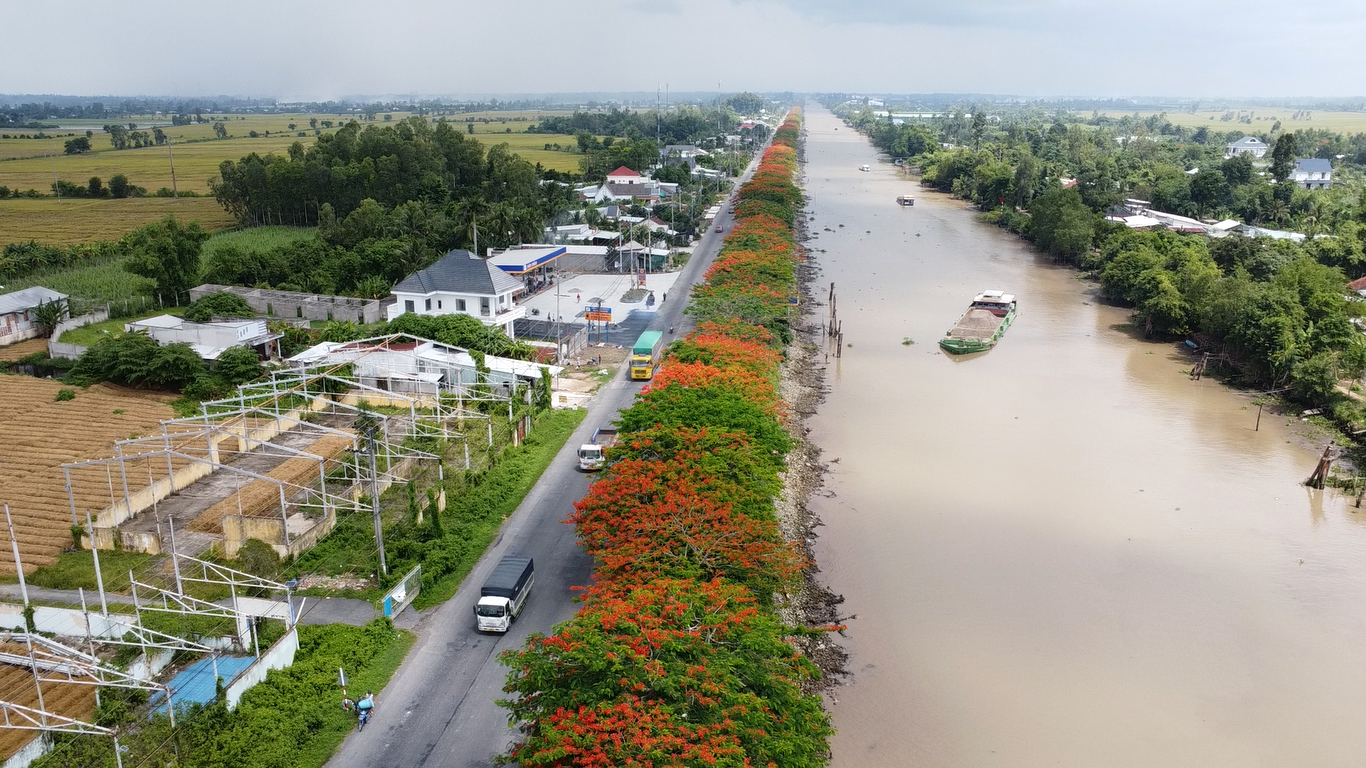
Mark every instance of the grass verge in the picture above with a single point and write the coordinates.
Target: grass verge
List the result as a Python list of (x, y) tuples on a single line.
[(481, 511), (76, 570), (293, 718), (478, 502)]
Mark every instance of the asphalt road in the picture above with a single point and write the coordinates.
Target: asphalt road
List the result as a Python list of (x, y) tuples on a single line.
[(439, 709)]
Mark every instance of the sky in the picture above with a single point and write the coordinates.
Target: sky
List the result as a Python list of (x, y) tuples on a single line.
[(290, 49)]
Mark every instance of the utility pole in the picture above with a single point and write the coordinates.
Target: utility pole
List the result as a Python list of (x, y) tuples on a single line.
[(374, 497), (174, 192)]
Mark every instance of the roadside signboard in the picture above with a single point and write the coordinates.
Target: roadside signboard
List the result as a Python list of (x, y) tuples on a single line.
[(597, 314)]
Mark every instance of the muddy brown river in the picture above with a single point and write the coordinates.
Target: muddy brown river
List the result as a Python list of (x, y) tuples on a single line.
[(1062, 552)]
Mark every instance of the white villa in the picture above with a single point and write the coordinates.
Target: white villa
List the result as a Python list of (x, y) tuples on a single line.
[(1313, 173), (1248, 145), (461, 283)]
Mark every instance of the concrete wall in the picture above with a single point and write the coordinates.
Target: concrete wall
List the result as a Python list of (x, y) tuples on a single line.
[(73, 351), (308, 306), (70, 351), (278, 656), (237, 529), (143, 499), (41, 745)]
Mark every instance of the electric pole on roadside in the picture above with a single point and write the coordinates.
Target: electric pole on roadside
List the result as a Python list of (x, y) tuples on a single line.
[(368, 430)]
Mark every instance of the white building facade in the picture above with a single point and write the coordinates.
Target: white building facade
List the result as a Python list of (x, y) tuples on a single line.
[(461, 283)]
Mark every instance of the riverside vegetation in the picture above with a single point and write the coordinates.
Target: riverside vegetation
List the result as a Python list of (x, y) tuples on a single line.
[(677, 656), (1277, 308)]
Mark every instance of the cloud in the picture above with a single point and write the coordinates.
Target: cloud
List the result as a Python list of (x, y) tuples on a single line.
[(326, 50)]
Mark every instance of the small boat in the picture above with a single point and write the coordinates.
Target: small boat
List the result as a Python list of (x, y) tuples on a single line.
[(866, 168), (906, 200), (982, 325)]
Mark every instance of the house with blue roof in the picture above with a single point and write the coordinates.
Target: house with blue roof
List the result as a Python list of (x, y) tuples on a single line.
[(1313, 173)]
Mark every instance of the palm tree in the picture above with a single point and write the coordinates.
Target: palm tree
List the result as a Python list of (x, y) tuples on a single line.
[(48, 315), (1279, 211)]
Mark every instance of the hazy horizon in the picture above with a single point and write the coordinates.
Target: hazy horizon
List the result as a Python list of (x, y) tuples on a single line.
[(1040, 49)]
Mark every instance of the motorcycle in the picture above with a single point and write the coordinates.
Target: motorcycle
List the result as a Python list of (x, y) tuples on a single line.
[(364, 718)]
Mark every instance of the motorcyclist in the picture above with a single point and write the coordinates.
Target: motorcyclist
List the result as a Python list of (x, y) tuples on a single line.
[(366, 703)]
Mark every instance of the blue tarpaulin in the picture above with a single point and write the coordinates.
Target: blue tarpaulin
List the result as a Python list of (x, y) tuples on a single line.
[(196, 683)]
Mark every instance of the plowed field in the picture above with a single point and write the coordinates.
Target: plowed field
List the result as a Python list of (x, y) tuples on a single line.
[(261, 497), (67, 699), (39, 434)]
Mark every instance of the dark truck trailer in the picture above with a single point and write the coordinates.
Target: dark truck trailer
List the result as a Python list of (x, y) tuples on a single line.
[(504, 593)]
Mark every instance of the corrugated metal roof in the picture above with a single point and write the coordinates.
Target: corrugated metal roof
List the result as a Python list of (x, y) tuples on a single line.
[(28, 298)]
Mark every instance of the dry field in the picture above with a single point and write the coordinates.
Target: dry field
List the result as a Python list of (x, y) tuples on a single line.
[(22, 349), (41, 434), (68, 699), (69, 222), (261, 498)]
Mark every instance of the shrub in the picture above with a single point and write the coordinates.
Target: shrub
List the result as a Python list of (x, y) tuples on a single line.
[(238, 365), (222, 304), (65, 394), (135, 360)]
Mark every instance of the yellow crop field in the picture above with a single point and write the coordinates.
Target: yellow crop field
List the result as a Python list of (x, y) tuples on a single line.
[(1262, 119), (68, 222), (149, 167), (41, 434), (27, 163)]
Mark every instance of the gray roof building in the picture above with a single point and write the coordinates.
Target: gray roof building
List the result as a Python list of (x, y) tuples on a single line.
[(459, 272), (28, 298)]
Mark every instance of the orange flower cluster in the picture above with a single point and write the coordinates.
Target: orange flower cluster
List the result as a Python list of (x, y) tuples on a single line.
[(677, 657)]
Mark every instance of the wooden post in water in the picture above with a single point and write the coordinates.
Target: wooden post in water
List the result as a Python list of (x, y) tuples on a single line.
[(1199, 369), (1320, 475), (1361, 489)]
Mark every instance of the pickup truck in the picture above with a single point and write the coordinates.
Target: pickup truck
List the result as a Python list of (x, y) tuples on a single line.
[(593, 454), (503, 595)]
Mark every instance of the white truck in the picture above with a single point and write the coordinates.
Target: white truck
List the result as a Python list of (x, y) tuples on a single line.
[(503, 595), (593, 454)]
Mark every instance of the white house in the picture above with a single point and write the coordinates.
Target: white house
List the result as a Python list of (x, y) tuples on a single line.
[(209, 340), (16, 312), (624, 175), (1313, 173), (1248, 145), (460, 283)]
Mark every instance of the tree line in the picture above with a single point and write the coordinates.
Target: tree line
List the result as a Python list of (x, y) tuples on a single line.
[(1277, 306)]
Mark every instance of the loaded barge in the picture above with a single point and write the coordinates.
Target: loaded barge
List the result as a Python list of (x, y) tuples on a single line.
[(982, 325)]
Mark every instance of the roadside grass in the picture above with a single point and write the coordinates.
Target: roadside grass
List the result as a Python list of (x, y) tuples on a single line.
[(479, 513), (477, 504), (68, 222), (291, 718)]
